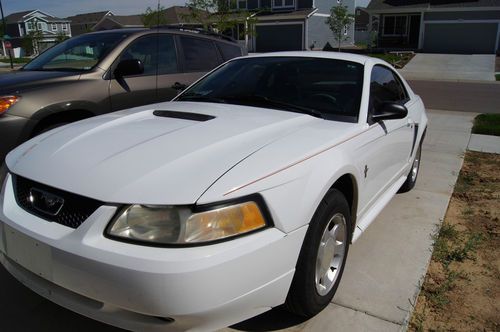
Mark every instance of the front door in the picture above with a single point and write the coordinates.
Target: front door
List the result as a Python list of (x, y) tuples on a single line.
[(140, 89), (414, 33)]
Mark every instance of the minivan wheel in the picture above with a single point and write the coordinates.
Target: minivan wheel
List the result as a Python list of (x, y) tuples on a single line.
[(322, 257)]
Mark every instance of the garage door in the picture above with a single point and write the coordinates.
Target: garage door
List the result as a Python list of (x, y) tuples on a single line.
[(283, 37), (460, 38)]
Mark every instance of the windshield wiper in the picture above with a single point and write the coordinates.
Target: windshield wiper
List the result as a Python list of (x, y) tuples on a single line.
[(277, 103)]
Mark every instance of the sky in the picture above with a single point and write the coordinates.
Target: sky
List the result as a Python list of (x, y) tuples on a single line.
[(65, 8)]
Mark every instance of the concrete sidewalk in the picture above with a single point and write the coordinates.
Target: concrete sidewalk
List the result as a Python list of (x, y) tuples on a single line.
[(484, 143), (387, 264), (450, 67)]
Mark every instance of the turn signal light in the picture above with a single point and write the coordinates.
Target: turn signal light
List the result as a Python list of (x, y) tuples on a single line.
[(6, 102)]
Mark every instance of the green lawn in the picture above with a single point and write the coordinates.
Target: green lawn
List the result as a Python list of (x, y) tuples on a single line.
[(487, 124), (497, 76), (398, 61), (15, 60)]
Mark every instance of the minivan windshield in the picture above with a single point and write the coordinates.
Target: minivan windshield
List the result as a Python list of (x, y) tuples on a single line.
[(80, 53), (325, 88)]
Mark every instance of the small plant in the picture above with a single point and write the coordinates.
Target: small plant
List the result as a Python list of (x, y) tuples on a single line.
[(340, 21)]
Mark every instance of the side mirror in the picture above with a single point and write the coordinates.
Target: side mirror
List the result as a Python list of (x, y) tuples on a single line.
[(128, 68), (390, 111)]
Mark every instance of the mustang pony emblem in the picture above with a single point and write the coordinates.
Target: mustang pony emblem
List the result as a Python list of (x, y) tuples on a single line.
[(45, 202)]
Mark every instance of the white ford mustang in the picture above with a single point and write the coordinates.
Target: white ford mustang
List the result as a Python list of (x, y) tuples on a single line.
[(242, 194)]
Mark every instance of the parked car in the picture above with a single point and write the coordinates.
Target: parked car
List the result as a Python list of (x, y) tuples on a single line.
[(102, 72), (240, 195)]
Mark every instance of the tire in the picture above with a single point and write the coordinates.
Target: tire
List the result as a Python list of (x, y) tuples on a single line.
[(411, 179), (322, 257)]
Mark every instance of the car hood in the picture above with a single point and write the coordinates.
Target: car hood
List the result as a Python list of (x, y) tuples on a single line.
[(135, 156), (20, 79)]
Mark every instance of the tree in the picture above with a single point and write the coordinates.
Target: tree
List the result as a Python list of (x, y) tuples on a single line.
[(61, 36), (154, 17), (340, 21)]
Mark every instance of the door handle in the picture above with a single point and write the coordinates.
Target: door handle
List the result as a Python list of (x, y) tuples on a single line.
[(178, 86)]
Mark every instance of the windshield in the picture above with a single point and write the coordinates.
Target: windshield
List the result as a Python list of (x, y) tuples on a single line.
[(325, 88), (77, 54)]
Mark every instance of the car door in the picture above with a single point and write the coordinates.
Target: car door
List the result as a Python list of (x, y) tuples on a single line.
[(384, 158), (139, 89), (197, 57)]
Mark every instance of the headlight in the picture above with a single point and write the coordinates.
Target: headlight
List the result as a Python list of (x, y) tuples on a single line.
[(6, 102), (179, 225)]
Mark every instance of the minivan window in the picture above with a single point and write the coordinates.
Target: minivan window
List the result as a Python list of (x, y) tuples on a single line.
[(199, 54), (144, 49), (80, 53), (229, 51), (167, 55)]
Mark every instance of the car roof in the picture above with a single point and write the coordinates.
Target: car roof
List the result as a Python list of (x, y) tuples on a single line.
[(362, 59)]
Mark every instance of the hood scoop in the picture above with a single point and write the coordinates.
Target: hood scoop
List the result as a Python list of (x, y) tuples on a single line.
[(183, 115)]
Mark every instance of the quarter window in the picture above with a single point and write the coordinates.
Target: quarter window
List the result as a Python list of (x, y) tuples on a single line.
[(199, 54)]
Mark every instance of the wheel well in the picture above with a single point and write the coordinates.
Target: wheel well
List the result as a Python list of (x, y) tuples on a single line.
[(347, 185), (60, 117)]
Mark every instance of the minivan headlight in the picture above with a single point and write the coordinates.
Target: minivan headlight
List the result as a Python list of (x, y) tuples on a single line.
[(6, 102), (170, 225)]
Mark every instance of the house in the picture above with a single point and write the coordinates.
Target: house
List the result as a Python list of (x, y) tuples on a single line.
[(288, 25), (83, 23), (438, 26), (118, 22), (24, 24), (361, 28)]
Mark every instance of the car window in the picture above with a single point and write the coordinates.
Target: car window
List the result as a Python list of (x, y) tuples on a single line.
[(144, 49), (199, 54), (229, 51), (167, 55), (77, 54), (385, 86), (330, 87)]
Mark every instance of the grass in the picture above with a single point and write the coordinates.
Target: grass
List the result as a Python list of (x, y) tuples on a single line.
[(15, 60), (398, 61), (497, 76), (487, 124)]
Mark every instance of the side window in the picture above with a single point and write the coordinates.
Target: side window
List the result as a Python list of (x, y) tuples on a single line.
[(229, 51), (144, 49), (384, 87), (167, 55), (199, 54)]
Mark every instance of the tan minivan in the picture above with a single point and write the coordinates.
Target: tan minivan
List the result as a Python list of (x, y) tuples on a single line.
[(104, 72)]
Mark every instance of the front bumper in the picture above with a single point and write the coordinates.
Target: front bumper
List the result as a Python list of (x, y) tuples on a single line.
[(138, 287)]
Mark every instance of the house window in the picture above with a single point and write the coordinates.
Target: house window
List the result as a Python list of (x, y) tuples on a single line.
[(339, 1), (39, 26), (64, 26), (346, 29), (283, 3), (237, 4), (395, 25), (30, 26), (53, 26), (242, 4)]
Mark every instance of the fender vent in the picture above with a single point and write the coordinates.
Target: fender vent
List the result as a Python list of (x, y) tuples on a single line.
[(184, 115)]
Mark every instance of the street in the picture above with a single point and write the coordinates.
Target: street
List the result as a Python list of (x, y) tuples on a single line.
[(459, 96)]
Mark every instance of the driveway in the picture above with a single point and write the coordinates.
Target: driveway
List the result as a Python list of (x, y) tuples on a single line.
[(450, 67), (384, 269)]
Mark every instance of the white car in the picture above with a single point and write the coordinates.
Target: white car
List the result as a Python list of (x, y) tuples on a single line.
[(240, 195)]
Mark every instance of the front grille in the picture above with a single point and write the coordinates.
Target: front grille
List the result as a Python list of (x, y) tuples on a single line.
[(75, 210)]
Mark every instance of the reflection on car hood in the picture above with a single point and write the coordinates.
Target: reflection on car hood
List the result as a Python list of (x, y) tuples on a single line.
[(134, 156), (11, 82)]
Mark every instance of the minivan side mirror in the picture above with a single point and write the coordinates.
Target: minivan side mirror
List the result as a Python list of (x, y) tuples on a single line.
[(390, 111), (128, 68)]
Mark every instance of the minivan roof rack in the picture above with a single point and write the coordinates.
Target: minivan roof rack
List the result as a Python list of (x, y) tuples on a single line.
[(194, 30)]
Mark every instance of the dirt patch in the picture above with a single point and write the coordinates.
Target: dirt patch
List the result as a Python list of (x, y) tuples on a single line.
[(461, 291)]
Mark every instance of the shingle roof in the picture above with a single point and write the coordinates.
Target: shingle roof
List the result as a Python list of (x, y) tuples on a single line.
[(127, 20), (16, 17), (88, 17), (429, 4)]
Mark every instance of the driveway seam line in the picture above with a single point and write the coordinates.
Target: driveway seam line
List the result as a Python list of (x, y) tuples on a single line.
[(368, 313)]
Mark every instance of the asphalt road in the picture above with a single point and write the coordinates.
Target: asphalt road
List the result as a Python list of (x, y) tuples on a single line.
[(459, 96)]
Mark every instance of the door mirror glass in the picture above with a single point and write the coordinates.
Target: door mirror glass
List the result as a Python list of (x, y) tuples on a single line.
[(129, 67), (390, 111)]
